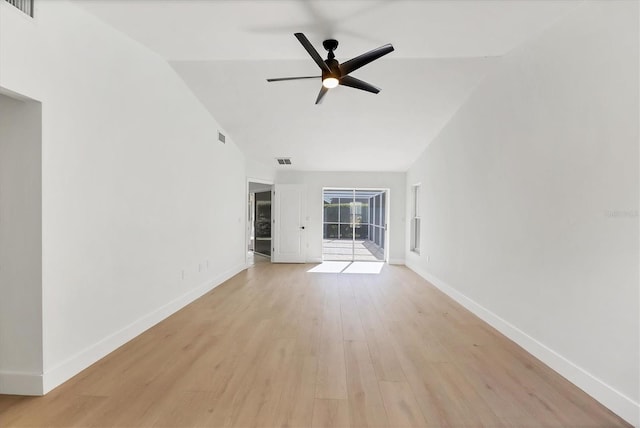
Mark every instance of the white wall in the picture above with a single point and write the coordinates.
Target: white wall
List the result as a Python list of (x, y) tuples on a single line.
[(259, 171), (315, 181), (20, 246), (530, 201), (143, 208)]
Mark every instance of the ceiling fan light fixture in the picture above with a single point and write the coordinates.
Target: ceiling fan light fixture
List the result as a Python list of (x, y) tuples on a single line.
[(334, 73), (330, 82)]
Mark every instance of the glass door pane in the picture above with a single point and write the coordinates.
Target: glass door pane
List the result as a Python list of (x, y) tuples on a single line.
[(337, 238), (353, 224), (366, 243)]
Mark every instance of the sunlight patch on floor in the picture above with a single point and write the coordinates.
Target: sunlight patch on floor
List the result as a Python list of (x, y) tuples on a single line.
[(329, 267), (348, 267)]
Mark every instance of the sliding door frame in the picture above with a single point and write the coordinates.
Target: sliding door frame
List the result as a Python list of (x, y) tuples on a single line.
[(385, 228)]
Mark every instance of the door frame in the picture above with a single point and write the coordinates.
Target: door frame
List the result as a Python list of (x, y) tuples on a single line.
[(387, 210), (247, 225)]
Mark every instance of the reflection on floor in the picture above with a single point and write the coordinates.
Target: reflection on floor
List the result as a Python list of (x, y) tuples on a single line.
[(347, 249), (254, 258)]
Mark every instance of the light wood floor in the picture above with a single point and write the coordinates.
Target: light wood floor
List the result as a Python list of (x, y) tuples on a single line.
[(276, 346)]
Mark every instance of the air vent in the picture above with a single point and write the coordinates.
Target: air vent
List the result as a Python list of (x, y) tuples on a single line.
[(221, 137), (24, 5), (284, 161)]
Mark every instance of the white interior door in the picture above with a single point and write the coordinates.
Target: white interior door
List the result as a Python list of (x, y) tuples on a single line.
[(288, 223)]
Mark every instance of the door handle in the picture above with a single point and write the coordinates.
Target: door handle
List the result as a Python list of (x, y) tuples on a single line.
[(302, 227)]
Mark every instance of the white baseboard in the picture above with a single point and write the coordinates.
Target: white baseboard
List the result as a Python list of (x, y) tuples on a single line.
[(75, 364), (314, 260), (396, 261), (20, 383), (617, 402)]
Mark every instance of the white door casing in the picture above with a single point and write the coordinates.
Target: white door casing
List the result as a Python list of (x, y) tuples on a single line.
[(289, 227)]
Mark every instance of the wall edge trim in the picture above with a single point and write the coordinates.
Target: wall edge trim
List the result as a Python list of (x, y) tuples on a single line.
[(21, 383)]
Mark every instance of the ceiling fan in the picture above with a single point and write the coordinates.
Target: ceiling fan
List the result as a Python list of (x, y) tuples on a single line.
[(334, 73)]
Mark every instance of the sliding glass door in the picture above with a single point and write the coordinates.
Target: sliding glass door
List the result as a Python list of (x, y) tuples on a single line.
[(354, 224)]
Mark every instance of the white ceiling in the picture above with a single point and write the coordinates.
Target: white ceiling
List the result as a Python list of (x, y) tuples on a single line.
[(224, 50)]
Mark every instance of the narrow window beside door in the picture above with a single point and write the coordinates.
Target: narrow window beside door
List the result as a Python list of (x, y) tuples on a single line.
[(415, 218)]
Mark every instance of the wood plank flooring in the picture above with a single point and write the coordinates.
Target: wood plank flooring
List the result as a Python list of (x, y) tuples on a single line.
[(277, 346)]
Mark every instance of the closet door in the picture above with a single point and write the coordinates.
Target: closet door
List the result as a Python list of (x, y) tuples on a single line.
[(288, 223)]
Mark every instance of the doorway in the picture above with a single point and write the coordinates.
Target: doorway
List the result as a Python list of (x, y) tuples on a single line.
[(354, 224), (21, 162), (259, 240)]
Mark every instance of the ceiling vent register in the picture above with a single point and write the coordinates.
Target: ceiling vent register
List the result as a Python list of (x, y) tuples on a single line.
[(24, 5), (284, 161)]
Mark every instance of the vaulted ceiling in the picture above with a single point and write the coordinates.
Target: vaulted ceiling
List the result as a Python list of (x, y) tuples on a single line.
[(225, 51)]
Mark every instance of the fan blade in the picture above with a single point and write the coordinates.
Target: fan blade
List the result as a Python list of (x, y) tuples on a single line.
[(323, 91), (280, 79), (364, 59), (358, 84), (312, 51)]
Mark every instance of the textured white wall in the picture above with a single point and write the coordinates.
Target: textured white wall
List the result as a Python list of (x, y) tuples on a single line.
[(530, 200), (20, 246), (143, 208), (315, 181)]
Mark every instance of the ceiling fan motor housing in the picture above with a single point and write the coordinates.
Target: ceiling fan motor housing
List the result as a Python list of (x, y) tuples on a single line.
[(334, 67)]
